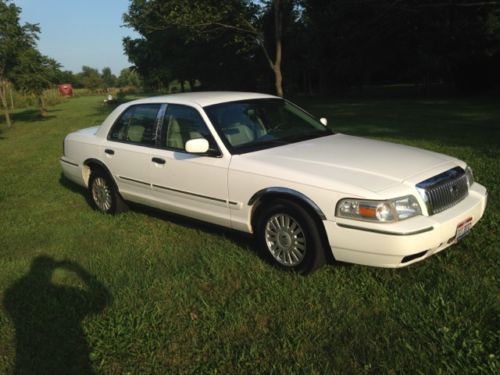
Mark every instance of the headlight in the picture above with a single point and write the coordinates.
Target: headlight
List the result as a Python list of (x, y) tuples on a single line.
[(379, 211), (470, 176)]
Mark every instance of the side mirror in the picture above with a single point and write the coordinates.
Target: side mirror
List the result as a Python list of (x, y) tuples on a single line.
[(197, 146), (324, 121)]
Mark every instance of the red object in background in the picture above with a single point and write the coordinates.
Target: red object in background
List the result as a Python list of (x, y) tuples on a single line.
[(66, 89)]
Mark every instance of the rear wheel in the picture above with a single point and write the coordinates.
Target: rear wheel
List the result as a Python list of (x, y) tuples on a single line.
[(289, 237), (103, 193)]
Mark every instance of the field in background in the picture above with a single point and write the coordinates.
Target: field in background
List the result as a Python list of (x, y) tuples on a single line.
[(187, 297), (17, 100)]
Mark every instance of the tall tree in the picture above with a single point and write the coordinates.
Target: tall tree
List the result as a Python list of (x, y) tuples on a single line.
[(15, 40), (108, 78), (375, 41), (34, 74), (90, 78), (128, 77), (67, 76), (238, 20), (163, 56)]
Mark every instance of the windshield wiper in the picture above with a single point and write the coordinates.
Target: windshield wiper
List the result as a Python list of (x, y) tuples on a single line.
[(305, 137), (273, 142), (261, 145)]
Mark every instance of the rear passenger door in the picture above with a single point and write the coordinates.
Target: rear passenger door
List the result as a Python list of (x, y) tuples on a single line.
[(189, 184), (127, 152)]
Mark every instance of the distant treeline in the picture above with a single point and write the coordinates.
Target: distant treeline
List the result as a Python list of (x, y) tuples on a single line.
[(28, 77), (90, 78), (316, 46), (281, 46)]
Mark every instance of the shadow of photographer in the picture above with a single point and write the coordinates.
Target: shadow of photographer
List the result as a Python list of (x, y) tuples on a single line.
[(47, 318)]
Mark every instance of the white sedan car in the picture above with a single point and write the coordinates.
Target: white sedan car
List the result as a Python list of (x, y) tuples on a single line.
[(259, 164)]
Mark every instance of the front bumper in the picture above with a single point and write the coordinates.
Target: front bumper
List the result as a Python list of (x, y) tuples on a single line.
[(406, 242)]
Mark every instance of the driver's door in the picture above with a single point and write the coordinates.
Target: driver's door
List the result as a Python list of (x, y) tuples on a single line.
[(189, 184)]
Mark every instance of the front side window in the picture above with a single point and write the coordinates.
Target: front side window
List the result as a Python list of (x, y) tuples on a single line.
[(136, 125), (180, 124), (256, 124)]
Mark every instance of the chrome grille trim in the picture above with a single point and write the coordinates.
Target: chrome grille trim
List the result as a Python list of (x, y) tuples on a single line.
[(444, 190)]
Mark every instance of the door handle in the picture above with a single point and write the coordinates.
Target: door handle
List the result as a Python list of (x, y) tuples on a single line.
[(109, 151), (158, 160)]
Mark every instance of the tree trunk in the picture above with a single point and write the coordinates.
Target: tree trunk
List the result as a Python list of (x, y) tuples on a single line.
[(322, 76), (278, 24), (11, 98), (192, 82), (278, 80), (41, 106), (5, 105)]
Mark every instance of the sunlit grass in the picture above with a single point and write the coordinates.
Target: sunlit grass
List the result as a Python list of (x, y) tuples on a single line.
[(189, 297)]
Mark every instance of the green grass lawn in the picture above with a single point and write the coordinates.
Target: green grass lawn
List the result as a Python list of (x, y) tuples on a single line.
[(148, 292)]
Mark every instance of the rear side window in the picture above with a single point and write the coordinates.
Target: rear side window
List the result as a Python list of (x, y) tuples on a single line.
[(136, 125)]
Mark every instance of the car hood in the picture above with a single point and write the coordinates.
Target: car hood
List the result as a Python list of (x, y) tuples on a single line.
[(341, 162)]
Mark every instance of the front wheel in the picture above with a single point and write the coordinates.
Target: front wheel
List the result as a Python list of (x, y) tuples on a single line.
[(289, 237), (103, 194)]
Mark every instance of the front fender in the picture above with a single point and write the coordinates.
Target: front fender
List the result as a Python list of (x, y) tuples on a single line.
[(281, 191)]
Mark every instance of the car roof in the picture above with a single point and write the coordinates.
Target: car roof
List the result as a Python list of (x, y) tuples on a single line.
[(204, 98)]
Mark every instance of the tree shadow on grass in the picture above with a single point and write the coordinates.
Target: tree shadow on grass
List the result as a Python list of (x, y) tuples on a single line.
[(243, 240), (3, 124), (70, 185), (103, 110), (446, 123), (32, 115), (47, 318)]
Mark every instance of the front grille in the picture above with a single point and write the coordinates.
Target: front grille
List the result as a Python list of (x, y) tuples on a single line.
[(444, 190)]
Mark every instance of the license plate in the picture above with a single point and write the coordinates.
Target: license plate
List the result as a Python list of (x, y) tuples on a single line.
[(463, 229)]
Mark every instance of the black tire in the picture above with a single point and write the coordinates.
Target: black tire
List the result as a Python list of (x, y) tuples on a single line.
[(297, 246), (103, 193)]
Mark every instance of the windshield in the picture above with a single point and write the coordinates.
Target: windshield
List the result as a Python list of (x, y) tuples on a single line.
[(251, 125)]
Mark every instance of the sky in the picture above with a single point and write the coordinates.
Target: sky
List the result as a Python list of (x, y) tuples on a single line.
[(80, 32)]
